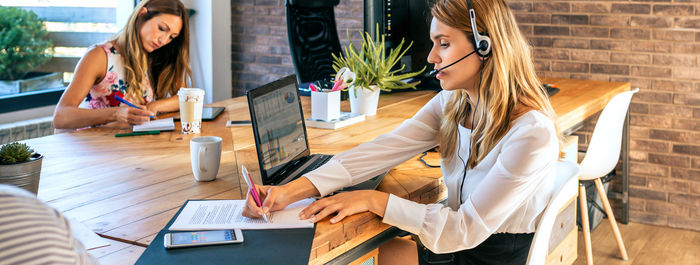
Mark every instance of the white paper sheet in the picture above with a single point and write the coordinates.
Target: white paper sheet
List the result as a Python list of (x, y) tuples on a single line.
[(226, 214), (83, 234), (156, 125)]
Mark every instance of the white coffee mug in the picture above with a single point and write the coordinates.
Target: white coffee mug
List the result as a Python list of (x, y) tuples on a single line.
[(191, 104), (205, 155)]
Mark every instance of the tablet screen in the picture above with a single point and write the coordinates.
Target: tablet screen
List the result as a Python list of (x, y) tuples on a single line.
[(208, 113)]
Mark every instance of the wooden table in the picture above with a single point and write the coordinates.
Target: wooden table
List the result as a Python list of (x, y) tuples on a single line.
[(128, 188)]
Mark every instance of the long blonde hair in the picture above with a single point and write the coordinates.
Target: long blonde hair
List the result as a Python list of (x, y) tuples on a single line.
[(508, 78), (167, 68)]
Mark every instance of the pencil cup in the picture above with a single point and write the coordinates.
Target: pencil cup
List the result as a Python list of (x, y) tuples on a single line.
[(325, 105), (191, 103), (205, 154)]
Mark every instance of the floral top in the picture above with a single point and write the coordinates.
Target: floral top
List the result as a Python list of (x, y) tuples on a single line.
[(102, 95)]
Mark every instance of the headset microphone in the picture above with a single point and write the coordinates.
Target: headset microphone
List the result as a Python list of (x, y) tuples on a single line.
[(434, 72)]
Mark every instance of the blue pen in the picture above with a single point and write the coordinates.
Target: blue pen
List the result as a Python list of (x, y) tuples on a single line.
[(120, 99)]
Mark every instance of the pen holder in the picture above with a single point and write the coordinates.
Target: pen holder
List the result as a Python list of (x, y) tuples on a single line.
[(325, 105)]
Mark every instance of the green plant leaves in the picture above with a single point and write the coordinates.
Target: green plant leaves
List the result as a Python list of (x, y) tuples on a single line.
[(24, 42), (14, 153), (371, 64)]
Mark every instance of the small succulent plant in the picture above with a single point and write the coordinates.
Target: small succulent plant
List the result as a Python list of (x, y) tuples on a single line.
[(15, 153)]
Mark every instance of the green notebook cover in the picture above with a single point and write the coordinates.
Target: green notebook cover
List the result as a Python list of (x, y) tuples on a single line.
[(272, 246)]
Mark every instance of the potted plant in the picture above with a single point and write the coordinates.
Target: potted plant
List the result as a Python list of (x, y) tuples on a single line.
[(24, 45), (20, 166), (373, 71)]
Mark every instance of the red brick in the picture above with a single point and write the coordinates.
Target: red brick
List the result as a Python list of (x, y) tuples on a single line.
[(615, 69), (587, 31), (663, 47), (651, 71), (696, 164), (641, 83), (520, 6), (610, 20), (590, 55), (638, 156), (648, 194), (697, 37), (569, 67), (586, 76), (648, 218), (649, 169), (639, 108), (651, 21), (636, 204), (696, 113), (667, 85), (638, 180), (650, 121), (673, 35), (686, 124), (525, 29), (653, 97), (669, 160), (674, 136), (639, 132), (643, 46), (631, 58), (552, 7), (627, 33), (541, 65), (590, 7), (682, 173), (631, 8), (686, 149), (695, 188), (541, 42), (551, 30), (548, 53), (687, 99), (673, 10), (570, 43), (533, 18), (665, 208), (611, 45), (686, 48), (686, 73), (684, 199), (570, 19), (684, 223), (644, 145), (685, 22), (671, 110), (667, 184)]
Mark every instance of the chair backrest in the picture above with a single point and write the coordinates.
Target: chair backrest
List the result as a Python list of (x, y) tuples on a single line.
[(604, 149), (565, 188), (313, 37)]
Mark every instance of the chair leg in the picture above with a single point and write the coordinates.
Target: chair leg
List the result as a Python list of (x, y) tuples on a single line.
[(611, 218), (584, 223)]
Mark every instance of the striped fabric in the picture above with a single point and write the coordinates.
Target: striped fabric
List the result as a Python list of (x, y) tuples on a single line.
[(32, 232)]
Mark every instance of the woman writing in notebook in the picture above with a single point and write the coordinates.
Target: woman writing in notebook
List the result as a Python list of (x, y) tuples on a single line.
[(498, 144), (148, 60)]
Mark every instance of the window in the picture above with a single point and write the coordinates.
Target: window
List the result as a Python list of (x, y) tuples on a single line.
[(73, 26)]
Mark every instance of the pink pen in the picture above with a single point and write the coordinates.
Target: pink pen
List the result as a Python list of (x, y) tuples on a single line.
[(337, 85), (312, 87), (253, 190)]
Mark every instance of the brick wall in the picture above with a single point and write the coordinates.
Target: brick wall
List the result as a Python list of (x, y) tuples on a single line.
[(260, 50), (653, 44)]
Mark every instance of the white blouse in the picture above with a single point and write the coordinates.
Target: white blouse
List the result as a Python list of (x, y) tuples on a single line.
[(506, 192)]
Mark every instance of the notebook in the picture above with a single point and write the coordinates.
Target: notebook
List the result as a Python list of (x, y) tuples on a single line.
[(156, 125), (281, 141)]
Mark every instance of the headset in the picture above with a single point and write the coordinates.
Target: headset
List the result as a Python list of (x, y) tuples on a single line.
[(482, 47)]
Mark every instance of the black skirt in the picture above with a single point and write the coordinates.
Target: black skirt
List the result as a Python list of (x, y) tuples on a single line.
[(501, 249)]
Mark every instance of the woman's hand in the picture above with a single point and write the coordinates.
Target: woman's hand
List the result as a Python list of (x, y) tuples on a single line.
[(273, 198), (346, 204), (132, 115)]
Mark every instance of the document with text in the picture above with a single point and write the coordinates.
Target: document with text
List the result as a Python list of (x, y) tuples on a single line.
[(226, 214)]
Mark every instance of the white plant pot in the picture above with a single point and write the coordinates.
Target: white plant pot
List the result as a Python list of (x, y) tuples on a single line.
[(364, 101)]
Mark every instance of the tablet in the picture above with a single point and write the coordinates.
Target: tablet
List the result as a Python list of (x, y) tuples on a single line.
[(208, 113)]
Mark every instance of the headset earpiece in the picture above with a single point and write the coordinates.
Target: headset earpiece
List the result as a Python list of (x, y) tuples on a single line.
[(482, 43)]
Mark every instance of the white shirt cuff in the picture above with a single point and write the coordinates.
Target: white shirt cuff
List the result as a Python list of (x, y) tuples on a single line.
[(405, 214), (329, 177)]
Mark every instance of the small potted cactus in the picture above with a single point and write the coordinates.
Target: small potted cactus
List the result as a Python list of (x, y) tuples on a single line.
[(20, 166)]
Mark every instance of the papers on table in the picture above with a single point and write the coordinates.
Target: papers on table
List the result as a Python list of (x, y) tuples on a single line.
[(156, 125), (226, 214), (83, 234)]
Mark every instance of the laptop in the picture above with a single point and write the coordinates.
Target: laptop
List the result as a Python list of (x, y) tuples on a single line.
[(280, 135)]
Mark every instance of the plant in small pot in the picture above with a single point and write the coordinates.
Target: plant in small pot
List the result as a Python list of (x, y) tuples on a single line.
[(20, 166), (373, 71), (24, 45)]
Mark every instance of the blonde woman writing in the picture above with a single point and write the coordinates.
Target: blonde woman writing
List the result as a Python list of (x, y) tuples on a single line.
[(498, 143), (148, 60)]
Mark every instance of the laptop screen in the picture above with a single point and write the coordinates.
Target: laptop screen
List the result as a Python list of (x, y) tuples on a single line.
[(278, 124)]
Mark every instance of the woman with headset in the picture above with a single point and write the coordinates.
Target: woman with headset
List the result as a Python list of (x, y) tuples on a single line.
[(498, 143)]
